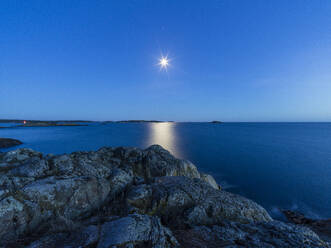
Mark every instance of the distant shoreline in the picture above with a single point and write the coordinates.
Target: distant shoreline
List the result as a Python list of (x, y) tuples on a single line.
[(42, 123), (76, 122)]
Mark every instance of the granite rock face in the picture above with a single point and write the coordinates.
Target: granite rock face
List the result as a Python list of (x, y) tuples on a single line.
[(128, 197)]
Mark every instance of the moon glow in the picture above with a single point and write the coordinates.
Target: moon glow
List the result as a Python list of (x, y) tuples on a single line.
[(164, 62)]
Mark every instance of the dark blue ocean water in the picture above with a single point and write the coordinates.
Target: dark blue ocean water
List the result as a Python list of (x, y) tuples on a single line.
[(279, 165)]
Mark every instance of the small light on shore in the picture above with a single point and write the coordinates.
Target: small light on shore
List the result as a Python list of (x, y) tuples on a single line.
[(24, 122)]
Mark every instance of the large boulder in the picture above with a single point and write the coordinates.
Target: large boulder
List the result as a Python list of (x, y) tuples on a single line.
[(157, 162), (69, 197), (136, 231), (185, 201)]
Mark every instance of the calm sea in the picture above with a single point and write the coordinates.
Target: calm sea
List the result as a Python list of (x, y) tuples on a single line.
[(279, 165)]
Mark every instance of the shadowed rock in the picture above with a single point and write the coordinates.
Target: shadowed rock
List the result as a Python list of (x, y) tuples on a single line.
[(6, 143), (252, 235), (321, 227), (139, 230)]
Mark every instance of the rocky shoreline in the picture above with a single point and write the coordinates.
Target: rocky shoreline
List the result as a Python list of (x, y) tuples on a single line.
[(129, 197)]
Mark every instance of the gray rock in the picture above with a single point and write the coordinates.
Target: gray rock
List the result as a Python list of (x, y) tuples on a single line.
[(135, 230), (70, 197), (185, 201), (272, 234), (62, 165), (159, 162), (52, 202), (18, 156), (14, 219), (210, 180), (119, 181), (34, 167), (10, 184)]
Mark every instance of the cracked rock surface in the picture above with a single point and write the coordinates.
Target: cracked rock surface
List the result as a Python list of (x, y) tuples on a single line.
[(128, 197)]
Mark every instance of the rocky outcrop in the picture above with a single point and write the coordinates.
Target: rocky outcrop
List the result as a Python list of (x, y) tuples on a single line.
[(6, 143), (130, 231), (321, 227), (128, 197), (186, 202), (253, 235)]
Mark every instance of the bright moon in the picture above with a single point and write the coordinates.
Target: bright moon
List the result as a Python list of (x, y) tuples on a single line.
[(164, 62)]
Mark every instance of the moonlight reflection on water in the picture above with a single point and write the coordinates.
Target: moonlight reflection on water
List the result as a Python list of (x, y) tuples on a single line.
[(291, 160), (163, 134)]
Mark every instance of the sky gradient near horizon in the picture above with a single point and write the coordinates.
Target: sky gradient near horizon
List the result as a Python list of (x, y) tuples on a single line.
[(230, 60)]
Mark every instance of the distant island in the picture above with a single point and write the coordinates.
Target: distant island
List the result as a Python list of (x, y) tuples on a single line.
[(49, 124), (38, 123)]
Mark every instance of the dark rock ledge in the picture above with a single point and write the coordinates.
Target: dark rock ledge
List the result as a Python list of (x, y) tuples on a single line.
[(128, 197), (6, 142)]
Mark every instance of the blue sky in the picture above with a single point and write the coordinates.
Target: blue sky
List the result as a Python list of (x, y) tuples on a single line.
[(230, 60)]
